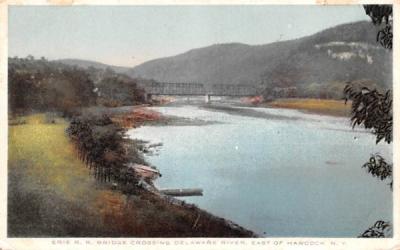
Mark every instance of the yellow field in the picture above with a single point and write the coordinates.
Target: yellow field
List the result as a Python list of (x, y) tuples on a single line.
[(50, 156), (49, 183), (318, 106)]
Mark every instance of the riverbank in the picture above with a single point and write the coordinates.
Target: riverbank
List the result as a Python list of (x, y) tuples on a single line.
[(277, 153), (316, 106), (64, 200), (140, 116)]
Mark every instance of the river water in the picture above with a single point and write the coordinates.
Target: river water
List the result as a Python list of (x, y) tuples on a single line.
[(281, 173)]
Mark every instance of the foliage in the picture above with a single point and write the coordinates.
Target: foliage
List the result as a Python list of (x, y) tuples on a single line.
[(382, 14), (373, 110), (323, 90), (379, 13), (385, 37), (100, 146), (39, 85), (378, 167), (119, 91), (379, 230)]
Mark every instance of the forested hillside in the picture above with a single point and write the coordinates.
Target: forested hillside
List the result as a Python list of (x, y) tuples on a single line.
[(41, 85)]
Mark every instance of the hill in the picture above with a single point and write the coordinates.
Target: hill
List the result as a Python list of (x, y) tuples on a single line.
[(41, 85), (85, 64), (346, 52)]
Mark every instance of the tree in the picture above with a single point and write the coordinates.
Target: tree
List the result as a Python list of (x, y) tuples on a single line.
[(373, 110), (382, 14), (40, 85)]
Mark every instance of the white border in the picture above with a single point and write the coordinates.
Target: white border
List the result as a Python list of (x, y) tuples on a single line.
[(191, 243)]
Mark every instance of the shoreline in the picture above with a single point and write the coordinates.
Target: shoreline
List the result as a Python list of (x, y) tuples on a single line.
[(146, 148), (175, 213), (162, 134), (117, 210), (108, 211), (153, 118), (242, 110), (327, 107)]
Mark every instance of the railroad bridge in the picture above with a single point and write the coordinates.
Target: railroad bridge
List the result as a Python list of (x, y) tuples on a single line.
[(196, 89)]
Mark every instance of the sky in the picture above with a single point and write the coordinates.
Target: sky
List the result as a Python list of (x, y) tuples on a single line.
[(130, 35)]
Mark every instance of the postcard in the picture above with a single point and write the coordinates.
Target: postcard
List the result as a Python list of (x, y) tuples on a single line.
[(186, 125)]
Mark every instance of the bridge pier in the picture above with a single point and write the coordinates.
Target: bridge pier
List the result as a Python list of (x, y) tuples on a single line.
[(147, 97), (208, 98)]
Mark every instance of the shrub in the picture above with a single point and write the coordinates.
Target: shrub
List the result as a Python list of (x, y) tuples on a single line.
[(101, 145)]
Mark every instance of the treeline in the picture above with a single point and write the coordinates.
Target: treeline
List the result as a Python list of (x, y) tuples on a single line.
[(42, 85), (325, 90), (39, 85), (119, 90), (102, 147)]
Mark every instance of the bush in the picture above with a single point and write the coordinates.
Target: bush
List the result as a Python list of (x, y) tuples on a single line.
[(100, 144)]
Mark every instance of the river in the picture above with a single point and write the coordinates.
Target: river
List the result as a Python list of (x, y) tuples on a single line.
[(277, 172)]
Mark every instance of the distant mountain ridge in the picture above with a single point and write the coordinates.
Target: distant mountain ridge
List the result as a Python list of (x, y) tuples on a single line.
[(326, 59), (342, 53)]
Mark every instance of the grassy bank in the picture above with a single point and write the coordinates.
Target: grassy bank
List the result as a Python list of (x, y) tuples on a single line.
[(51, 194), (317, 106)]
